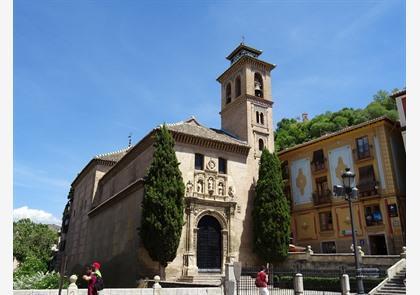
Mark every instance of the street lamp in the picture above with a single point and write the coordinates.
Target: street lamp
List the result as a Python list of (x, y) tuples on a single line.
[(350, 192)]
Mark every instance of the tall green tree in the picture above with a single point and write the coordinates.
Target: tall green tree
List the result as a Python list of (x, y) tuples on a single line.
[(163, 202), (271, 212)]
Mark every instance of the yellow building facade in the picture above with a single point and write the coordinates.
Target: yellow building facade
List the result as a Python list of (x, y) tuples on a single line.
[(374, 151)]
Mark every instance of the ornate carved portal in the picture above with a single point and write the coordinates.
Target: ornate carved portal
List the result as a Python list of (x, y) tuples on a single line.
[(208, 226)]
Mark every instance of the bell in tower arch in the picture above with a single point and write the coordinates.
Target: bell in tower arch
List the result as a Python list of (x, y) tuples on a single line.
[(258, 85), (258, 89)]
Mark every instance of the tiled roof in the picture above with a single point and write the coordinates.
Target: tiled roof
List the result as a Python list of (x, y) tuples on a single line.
[(398, 93), (341, 131), (194, 128), (113, 156)]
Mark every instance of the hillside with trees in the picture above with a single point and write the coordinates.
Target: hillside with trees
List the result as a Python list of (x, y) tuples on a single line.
[(291, 132)]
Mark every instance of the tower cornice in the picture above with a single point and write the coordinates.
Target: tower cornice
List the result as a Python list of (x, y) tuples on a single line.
[(245, 59), (244, 98)]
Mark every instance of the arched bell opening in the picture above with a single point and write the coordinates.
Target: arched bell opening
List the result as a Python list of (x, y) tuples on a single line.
[(258, 85), (228, 93)]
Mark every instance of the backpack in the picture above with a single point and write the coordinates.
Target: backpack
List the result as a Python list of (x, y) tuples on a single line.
[(99, 284)]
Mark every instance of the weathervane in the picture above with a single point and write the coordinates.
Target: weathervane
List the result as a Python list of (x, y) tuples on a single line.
[(243, 39), (129, 139)]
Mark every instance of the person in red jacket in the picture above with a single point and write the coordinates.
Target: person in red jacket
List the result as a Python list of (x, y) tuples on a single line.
[(90, 277), (263, 280)]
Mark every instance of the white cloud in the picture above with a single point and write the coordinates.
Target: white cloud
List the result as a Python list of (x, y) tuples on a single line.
[(37, 216)]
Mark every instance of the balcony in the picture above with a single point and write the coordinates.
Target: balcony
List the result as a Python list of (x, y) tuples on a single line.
[(368, 188), (322, 198), (319, 166), (362, 156)]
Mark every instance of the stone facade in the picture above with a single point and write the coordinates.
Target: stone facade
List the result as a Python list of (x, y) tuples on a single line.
[(106, 207), (374, 150)]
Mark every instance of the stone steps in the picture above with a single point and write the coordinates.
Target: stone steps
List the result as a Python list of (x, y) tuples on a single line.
[(204, 279), (394, 285)]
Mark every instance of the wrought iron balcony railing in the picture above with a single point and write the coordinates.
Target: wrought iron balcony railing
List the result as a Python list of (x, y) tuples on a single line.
[(318, 166), (322, 198), (368, 188)]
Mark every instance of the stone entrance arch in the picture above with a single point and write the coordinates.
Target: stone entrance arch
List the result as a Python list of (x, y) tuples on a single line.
[(209, 245), (211, 218)]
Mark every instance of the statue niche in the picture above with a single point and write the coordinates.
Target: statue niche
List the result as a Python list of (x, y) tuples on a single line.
[(210, 185), (200, 186), (221, 189)]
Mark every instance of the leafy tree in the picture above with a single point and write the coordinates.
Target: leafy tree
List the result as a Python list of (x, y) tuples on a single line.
[(271, 212), (38, 280), (163, 202), (32, 240), (32, 248), (31, 266)]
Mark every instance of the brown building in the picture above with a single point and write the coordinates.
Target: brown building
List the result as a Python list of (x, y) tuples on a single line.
[(374, 150), (219, 168)]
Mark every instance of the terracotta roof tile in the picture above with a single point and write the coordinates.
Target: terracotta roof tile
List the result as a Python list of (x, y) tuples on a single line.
[(194, 128), (113, 156)]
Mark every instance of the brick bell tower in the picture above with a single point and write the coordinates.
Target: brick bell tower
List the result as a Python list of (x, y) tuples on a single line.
[(246, 101)]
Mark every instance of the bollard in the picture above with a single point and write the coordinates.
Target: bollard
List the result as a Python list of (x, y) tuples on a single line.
[(404, 252), (230, 280), (345, 284), (156, 286), (298, 284), (72, 289)]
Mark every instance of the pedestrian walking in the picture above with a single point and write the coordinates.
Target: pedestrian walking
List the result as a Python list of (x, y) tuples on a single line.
[(99, 284), (261, 281), (90, 277)]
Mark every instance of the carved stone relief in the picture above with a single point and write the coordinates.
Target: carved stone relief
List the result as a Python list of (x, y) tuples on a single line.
[(211, 165), (209, 183), (221, 189), (189, 188), (200, 186), (231, 192)]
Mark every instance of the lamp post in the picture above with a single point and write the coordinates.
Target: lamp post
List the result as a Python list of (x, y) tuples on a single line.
[(350, 192)]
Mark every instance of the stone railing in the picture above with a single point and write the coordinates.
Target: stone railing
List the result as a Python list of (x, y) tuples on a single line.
[(309, 259), (156, 290)]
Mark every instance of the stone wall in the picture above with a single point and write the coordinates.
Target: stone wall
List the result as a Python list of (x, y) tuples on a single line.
[(138, 291)]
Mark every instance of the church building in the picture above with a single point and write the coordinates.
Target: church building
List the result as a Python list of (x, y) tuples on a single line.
[(219, 168)]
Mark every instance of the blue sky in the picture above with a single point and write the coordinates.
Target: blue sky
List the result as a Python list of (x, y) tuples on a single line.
[(87, 73)]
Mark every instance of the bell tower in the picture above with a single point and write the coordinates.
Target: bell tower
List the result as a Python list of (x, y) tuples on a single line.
[(246, 101)]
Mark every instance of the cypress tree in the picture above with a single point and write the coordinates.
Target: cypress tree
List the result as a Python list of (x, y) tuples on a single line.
[(271, 212), (163, 202)]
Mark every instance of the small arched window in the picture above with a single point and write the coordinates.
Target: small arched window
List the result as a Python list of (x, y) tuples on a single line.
[(260, 144), (238, 86), (261, 118), (228, 93), (257, 115), (258, 85)]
